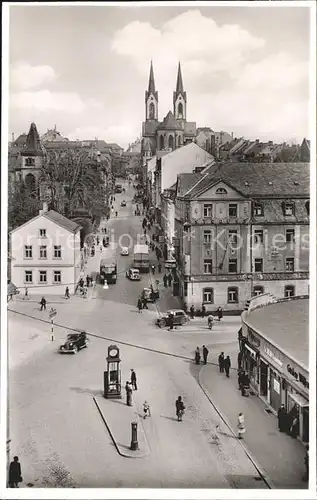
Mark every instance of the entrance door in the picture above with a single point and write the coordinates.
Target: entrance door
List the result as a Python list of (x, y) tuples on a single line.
[(263, 378), (275, 400)]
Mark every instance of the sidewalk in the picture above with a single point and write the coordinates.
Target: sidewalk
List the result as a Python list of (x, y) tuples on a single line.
[(280, 456)]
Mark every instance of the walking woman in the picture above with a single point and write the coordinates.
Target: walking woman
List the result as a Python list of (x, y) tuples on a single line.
[(241, 426)]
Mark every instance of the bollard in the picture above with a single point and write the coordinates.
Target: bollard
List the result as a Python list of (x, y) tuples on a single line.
[(134, 439)]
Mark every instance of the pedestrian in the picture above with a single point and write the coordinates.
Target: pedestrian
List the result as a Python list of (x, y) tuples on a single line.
[(203, 311), (241, 425), (239, 360), (245, 385), (144, 303), (67, 293), (205, 354), (128, 390), (240, 380), (133, 380), (192, 311), (87, 280), (159, 267), (306, 460), (43, 304), (165, 280), (170, 279), (219, 313), (197, 356), (153, 268), (180, 408), (146, 410), (221, 359), (227, 365), (15, 476), (100, 248), (171, 321), (26, 293), (81, 282), (139, 305), (282, 417)]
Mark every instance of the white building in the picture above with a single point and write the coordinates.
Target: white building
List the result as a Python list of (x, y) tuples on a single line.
[(45, 254)]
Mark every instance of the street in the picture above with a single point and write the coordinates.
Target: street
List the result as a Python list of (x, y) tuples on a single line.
[(54, 425)]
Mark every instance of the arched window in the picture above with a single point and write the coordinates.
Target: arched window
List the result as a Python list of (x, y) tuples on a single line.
[(208, 296), (30, 184), (162, 142), (151, 111), (221, 191), (180, 110), (258, 290), (171, 142)]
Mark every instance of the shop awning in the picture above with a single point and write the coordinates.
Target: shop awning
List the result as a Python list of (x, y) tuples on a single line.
[(300, 400)]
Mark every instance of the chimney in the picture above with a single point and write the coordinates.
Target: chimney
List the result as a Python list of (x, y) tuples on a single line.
[(12, 136), (44, 209)]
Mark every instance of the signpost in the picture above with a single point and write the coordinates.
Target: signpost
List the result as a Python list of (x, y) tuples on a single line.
[(52, 313)]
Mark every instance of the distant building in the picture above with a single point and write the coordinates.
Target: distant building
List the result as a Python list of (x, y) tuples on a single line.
[(305, 150), (52, 135)]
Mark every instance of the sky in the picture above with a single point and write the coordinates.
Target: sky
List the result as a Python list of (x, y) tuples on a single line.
[(85, 68)]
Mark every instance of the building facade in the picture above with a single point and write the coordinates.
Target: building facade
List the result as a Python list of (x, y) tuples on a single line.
[(241, 230), (45, 254), (275, 353)]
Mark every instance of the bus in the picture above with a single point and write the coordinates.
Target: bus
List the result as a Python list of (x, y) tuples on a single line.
[(108, 271)]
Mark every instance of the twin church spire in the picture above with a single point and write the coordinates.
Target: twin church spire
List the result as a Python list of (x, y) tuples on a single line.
[(179, 97)]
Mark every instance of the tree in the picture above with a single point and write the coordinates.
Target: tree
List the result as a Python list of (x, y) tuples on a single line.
[(23, 203)]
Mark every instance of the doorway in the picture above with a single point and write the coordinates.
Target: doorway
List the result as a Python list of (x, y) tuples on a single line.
[(263, 378)]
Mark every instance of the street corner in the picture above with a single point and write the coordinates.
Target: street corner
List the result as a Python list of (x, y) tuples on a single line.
[(118, 418)]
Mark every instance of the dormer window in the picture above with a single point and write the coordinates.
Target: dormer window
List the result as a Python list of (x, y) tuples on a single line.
[(221, 191), (288, 208), (258, 209)]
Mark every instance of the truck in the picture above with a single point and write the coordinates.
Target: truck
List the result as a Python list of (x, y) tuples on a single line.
[(141, 258), (108, 271)]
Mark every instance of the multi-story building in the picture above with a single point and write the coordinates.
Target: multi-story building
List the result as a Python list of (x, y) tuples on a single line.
[(241, 230), (45, 254)]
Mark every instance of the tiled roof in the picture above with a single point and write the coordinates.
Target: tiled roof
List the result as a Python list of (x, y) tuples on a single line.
[(170, 123), (187, 181), (288, 179), (62, 221), (21, 140)]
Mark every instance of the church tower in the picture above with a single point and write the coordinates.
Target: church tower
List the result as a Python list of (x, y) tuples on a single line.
[(151, 99), (179, 97)]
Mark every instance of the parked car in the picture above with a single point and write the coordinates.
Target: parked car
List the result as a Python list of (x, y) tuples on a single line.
[(150, 294), (123, 203), (74, 342), (133, 274), (179, 318), (124, 251)]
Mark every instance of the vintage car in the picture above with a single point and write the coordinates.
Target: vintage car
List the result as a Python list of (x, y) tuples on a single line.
[(133, 274), (150, 294), (124, 251), (74, 342), (179, 318), (123, 203)]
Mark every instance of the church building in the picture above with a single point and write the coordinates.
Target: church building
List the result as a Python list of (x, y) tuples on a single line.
[(174, 131)]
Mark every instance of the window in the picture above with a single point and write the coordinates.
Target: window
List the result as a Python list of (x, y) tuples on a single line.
[(233, 210), (208, 210), (258, 209), (289, 291), (42, 233), (208, 296), (233, 266), (258, 265), (307, 206), (170, 142), (161, 142), (207, 237), (289, 235), (180, 110), (151, 111), (28, 251), (289, 264), (258, 236), (29, 162), (43, 276), (258, 290), (288, 208), (57, 252), (233, 236), (221, 191), (233, 295), (57, 276), (28, 277), (208, 266), (43, 252)]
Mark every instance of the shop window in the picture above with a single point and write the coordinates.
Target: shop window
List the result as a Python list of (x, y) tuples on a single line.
[(258, 265), (290, 235), (289, 264), (289, 291), (258, 290), (233, 297), (208, 296), (233, 210)]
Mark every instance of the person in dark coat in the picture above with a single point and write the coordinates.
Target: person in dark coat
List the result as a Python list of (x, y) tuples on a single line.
[(153, 268), (203, 311), (219, 313), (192, 311), (240, 379), (227, 365), (87, 280), (165, 280), (197, 356), (133, 380), (43, 304), (139, 305), (15, 473), (205, 354), (221, 359), (170, 279), (128, 390), (170, 321), (67, 293), (282, 417)]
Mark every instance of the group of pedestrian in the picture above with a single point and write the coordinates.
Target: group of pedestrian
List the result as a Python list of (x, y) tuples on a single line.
[(142, 303), (224, 364), (288, 422), (167, 279), (198, 357), (192, 313)]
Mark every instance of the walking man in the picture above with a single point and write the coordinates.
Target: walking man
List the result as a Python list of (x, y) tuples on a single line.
[(133, 380), (281, 417), (227, 365), (219, 313), (139, 305), (170, 279), (221, 359), (43, 304), (153, 268), (192, 311), (26, 293), (67, 293), (15, 473), (203, 311), (205, 354), (165, 280), (197, 356), (128, 390)]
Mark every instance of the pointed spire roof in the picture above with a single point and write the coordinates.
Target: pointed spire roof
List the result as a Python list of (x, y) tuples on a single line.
[(33, 144), (151, 80), (179, 83)]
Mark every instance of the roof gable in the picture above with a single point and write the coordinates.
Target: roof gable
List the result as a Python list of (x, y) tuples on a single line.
[(216, 189), (62, 221)]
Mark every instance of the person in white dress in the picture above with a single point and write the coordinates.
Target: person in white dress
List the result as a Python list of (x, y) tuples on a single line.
[(241, 426)]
